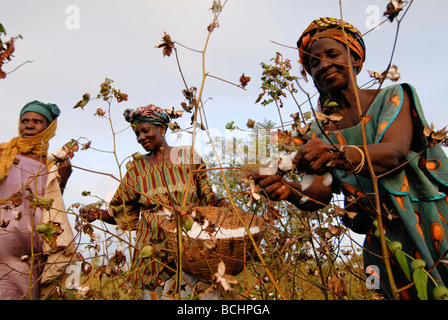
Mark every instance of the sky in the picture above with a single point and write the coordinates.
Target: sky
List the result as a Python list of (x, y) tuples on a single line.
[(74, 45)]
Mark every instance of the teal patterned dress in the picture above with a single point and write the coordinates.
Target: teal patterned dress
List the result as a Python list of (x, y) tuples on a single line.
[(413, 199)]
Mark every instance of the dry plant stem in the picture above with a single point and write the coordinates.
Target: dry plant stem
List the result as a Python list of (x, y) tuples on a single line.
[(271, 277), (279, 114), (113, 139), (20, 65), (384, 249), (179, 230), (226, 81), (184, 200), (180, 69), (109, 102), (319, 265), (31, 285), (32, 233)]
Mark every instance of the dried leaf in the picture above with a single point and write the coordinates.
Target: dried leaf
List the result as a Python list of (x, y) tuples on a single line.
[(5, 55), (4, 224), (393, 8), (81, 103), (16, 199), (338, 286), (167, 44), (120, 96), (377, 75), (86, 145), (250, 124), (221, 268), (244, 81), (209, 244), (334, 230), (86, 267), (335, 117), (118, 258), (99, 112), (224, 279), (174, 114), (435, 137)]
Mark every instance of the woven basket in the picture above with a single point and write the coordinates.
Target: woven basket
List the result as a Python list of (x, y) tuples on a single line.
[(232, 251)]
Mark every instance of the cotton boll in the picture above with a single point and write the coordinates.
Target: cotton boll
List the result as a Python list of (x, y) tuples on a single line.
[(307, 180), (393, 73), (268, 171), (304, 199), (327, 179), (57, 154), (285, 163)]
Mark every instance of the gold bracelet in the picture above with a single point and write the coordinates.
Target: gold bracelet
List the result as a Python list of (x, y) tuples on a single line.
[(361, 164), (363, 158)]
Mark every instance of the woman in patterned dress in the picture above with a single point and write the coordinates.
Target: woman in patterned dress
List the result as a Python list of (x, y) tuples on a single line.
[(413, 177), (165, 175)]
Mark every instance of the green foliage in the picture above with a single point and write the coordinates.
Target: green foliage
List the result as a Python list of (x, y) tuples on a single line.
[(276, 78)]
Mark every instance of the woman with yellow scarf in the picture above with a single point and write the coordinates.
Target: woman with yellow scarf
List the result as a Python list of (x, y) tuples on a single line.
[(26, 261)]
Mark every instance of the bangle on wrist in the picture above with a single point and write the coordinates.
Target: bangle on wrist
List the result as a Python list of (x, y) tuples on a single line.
[(361, 164)]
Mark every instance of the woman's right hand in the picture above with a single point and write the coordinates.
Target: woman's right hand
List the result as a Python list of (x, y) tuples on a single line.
[(273, 185), (89, 213)]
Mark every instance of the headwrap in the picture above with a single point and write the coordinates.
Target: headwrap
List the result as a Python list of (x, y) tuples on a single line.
[(148, 114), (37, 144), (48, 110), (333, 28)]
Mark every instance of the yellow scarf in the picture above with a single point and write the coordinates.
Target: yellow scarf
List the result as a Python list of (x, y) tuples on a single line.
[(37, 144)]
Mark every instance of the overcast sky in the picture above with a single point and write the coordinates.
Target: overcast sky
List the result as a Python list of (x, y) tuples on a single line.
[(76, 44)]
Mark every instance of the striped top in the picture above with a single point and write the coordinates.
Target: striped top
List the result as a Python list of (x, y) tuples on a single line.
[(137, 200)]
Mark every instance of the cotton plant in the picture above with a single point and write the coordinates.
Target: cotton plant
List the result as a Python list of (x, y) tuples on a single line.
[(393, 74), (67, 151)]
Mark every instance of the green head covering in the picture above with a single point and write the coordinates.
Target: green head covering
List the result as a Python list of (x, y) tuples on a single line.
[(48, 110)]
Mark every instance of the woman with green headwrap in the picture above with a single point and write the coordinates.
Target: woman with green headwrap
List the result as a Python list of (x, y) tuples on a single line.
[(27, 263), (165, 175), (413, 176)]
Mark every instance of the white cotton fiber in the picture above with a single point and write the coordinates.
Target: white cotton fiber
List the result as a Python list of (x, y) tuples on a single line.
[(308, 179), (197, 231), (285, 161)]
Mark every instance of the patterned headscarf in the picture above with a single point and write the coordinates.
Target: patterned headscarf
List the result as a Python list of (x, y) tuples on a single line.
[(333, 28), (148, 114)]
